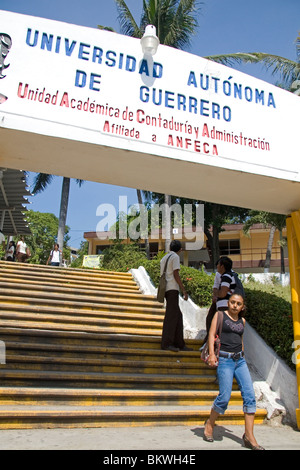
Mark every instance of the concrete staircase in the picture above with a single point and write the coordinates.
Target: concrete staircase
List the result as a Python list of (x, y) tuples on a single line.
[(83, 350)]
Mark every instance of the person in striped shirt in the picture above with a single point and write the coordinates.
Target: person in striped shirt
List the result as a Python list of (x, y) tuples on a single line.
[(228, 282)]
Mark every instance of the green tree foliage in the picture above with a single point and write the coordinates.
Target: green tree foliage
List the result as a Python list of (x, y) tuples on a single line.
[(175, 20), (83, 250), (215, 217), (269, 312), (41, 181), (123, 257), (44, 228)]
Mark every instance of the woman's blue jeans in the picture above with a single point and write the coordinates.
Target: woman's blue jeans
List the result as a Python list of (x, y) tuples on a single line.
[(227, 370)]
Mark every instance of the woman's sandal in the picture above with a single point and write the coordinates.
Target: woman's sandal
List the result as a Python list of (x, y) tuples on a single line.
[(207, 438), (248, 444)]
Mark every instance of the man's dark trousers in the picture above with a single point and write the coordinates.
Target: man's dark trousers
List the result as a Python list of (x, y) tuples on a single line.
[(172, 334)]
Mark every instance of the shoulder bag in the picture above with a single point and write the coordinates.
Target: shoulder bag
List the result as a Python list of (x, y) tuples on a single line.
[(217, 342), (161, 290)]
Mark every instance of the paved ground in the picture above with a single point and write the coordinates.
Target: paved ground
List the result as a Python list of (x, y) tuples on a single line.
[(175, 438)]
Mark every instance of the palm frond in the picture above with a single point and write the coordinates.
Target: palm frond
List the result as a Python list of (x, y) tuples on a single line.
[(234, 58), (289, 69), (40, 182), (175, 20), (158, 13), (106, 28), (186, 21), (128, 24), (183, 24)]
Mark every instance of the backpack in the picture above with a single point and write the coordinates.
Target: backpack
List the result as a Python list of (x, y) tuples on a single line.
[(239, 288)]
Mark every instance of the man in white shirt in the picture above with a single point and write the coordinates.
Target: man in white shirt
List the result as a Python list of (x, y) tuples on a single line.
[(21, 251), (172, 334)]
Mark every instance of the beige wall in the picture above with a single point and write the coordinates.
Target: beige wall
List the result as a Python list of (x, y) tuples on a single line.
[(253, 248)]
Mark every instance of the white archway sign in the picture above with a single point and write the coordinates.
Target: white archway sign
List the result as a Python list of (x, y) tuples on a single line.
[(86, 103)]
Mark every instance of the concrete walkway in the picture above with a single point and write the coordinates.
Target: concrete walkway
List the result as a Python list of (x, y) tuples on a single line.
[(174, 438)]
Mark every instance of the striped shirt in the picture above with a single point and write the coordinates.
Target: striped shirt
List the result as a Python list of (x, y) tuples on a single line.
[(227, 280)]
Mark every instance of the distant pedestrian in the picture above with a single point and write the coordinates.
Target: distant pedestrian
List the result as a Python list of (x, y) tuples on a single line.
[(22, 251), (55, 256), (172, 334), (11, 251)]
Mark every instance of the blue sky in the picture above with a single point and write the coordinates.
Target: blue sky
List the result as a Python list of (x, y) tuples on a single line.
[(224, 26)]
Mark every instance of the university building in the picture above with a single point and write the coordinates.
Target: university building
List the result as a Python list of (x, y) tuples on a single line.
[(248, 252)]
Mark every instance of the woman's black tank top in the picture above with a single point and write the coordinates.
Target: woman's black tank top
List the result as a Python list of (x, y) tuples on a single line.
[(232, 333)]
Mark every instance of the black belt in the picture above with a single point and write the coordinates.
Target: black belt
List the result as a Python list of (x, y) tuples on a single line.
[(232, 355)]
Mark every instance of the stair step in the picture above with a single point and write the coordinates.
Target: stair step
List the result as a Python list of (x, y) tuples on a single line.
[(56, 363), (85, 318), (106, 339), (11, 377), (122, 280), (115, 352), (70, 303), (110, 312), (109, 397), (45, 417), (105, 291), (104, 285), (81, 328), (27, 268)]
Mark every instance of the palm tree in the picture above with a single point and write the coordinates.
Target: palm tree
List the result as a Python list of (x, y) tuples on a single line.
[(140, 201), (41, 181), (176, 22)]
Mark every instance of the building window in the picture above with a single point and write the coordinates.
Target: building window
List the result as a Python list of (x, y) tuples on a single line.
[(229, 247), (100, 248), (153, 249)]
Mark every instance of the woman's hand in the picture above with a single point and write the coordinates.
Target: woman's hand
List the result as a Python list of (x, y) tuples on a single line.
[(212, 360)]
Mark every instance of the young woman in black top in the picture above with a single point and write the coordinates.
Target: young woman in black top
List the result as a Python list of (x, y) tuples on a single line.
[(231, 365)]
